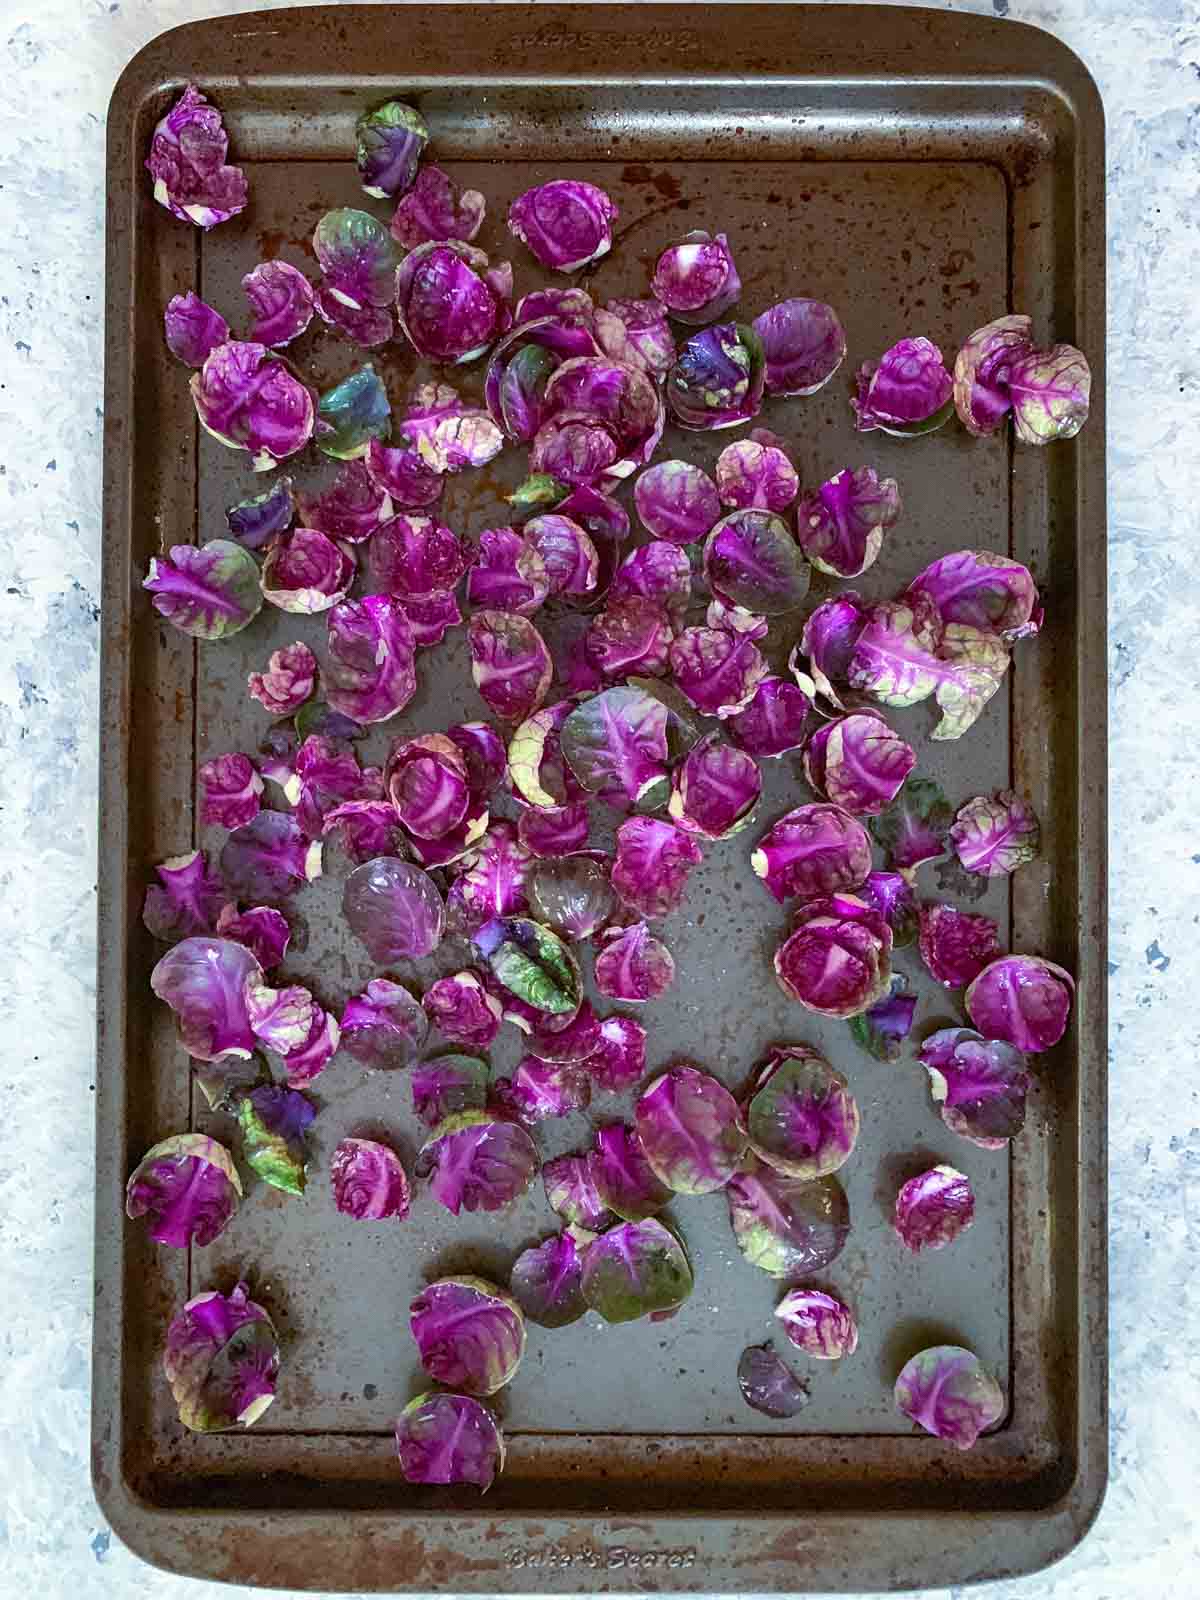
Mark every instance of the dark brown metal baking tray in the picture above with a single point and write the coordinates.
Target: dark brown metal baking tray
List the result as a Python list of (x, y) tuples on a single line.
[(924, 172)]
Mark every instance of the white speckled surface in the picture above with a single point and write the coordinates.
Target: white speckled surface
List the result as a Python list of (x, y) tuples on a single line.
[(58, 62)]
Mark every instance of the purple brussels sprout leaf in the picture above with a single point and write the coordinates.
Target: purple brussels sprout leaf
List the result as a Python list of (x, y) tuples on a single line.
[(384, 1027), (978, 1085), (189, 900), (735, 619), (914, 828), (446, 1086), (571, 1192), (535, 764), (248, 398), (451, 306), (981, 372), (715, 789), (616, 745), (232, 791), (289, 680), (547, 1282), (804, 345), (717, 671), (510, 664), (619, 1059), (635, 1270), (752, 561), (263, 930), (400, 473), (193, 330), (828, 641), (206, 983), (1022, 1000), (509, 574), (253, 523), (787, 1226), (994, 835), (687, 1124), (313, 1054), (483, 751), (984, 591), (568, 554), (676, 501), (696, 279), (567, 1040), (572, 894), (638, 333), (621, 399), (540, 1089), (187, 1188), (273, 1123), (352, 508), (947, 1391), (426, 781), (519, 371), (469, 1333), (717, 379), (1051, 393), (449, 1438), (369, 1181), (282, 300), (492, 882), (305, 572), (221, 1360), (818, 1323), (357, 258), (892, 895), (774, 722), (366, 326), (531, 962), (435, 209), (394, 909), (836, 960), (208, 591), (956, 945), (364, 829), (634, 966), (554, 831), (269, 858), (906, 392), (624, 1180), (566, 223), (768, 1384), (653, 863), (352, 413), (462, 1010), (368, 668), (882, 1030), (800, 1116), (858, 763), (281, 1018), (752, 475), (418, 558), (811, 851), (657, 571), (905, 653), (389, 142), (476, 1163), (187, 162), (325, 773), (448, 434), (933, 1208), (569, 302), (840, 526)]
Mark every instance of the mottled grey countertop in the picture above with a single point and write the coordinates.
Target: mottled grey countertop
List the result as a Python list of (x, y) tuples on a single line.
[(58, 62)]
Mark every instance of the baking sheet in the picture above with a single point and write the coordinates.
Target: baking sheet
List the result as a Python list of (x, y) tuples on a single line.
[(912, 204)]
